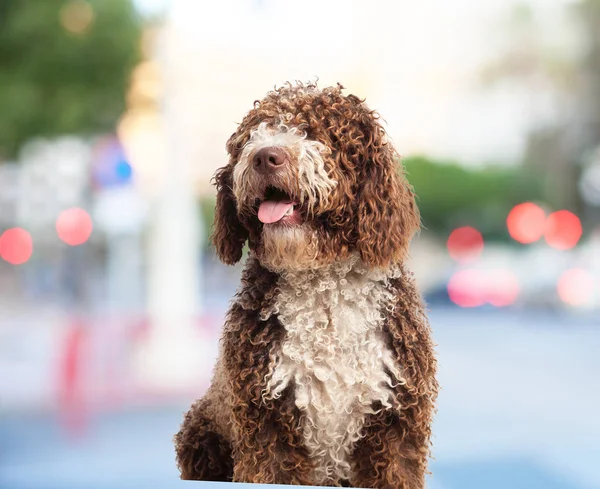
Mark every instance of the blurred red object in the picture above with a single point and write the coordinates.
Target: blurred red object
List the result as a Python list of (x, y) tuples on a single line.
[(526, 222), (465, 244), (466, 288), (563, 230), (474, 288), (71, 396), (74, 226), (16, 246)]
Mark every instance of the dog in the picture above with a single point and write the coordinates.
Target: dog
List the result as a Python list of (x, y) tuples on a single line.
[(326, 373)]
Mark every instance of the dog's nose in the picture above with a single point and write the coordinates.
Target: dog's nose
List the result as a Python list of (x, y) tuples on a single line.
[(269, 159)]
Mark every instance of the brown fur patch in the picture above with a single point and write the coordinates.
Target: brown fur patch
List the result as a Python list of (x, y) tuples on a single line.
[(202, 453)]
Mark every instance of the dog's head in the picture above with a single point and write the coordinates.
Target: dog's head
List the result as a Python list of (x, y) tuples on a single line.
[(311, 179)]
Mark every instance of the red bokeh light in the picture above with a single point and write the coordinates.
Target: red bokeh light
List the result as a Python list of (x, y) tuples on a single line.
[(575, 287), (474, 288), (466, 288), (74, 226), (525, 222), (16, 246), (502, 288), (563, 230), (465, 244)]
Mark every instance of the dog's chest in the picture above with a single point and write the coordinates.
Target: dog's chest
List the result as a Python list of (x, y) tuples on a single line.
[(335, 354)]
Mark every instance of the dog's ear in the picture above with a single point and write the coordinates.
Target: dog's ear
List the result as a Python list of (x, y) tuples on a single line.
[(228, 234), (387, 215)]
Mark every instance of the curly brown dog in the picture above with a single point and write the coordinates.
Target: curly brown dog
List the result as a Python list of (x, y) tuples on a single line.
[(326, 371)]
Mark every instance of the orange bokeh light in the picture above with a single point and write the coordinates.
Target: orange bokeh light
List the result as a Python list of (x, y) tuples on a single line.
[(575, 287), (563, 230), (16, 246), (526, 222), (465, 244), (77, 16), (74, 226)]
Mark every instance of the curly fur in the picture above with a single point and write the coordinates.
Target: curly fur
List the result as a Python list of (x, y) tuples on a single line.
[(314, 184), (335, 353), (326, 371)]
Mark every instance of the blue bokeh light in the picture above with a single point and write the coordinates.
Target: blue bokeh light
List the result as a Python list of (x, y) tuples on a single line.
[(123, 170)]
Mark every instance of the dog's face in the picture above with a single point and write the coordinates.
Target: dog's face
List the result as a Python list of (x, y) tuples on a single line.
[(311, 180)]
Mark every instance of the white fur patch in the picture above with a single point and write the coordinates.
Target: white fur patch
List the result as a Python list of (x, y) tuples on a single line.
[(313, 181), (335, 353), (289, 248)]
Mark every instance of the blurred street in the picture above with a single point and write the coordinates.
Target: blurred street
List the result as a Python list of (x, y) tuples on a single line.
[(516, 411)]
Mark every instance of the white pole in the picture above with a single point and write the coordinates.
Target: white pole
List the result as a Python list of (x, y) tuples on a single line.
[(173, 358)]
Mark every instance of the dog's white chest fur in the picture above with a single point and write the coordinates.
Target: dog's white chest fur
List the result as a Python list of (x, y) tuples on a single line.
[(335, 354)]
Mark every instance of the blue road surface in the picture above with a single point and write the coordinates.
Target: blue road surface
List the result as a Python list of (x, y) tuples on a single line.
[(518, 410)]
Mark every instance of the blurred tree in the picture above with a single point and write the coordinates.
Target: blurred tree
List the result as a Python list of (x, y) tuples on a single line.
[(450, 195), (589, 14), (64, 67), (563, 62)]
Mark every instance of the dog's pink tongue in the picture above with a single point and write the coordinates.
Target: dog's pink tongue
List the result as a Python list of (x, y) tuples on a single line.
[(272, 210)]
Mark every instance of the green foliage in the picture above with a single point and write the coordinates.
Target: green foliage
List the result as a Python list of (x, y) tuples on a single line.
[(54, 81), (450, 195), (207, 213)]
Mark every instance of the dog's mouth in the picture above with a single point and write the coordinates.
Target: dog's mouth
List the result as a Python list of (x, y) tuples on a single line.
[(278, 207)]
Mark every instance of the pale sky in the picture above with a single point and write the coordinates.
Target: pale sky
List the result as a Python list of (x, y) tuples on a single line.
[(416, 62), (151, 6)]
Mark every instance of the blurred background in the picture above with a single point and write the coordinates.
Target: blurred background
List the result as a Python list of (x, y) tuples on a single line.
[(113, 117)]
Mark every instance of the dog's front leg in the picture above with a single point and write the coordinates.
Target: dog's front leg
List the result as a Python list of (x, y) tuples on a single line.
[(392, 454), (270, 448), (268, 444), (394, 450)]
